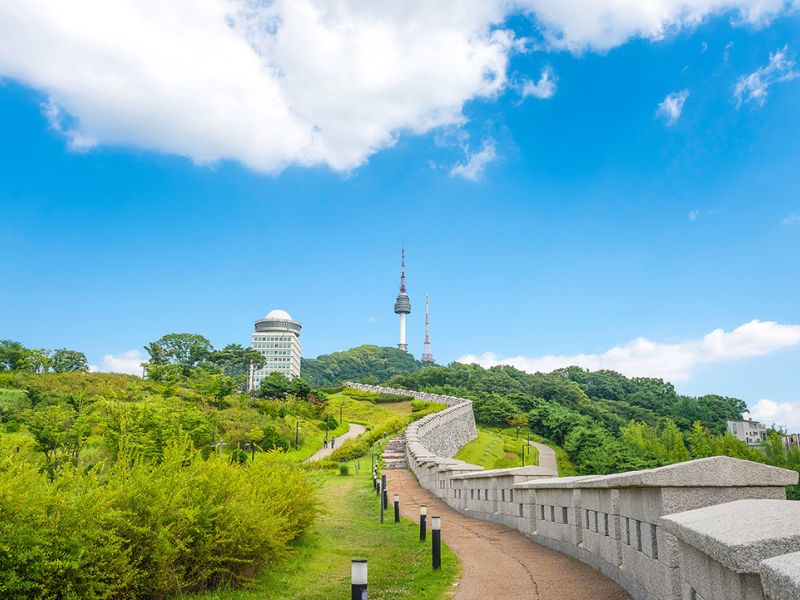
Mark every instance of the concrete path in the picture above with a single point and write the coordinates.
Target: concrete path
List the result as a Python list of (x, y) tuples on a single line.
[(354, 432), (499, 562), (547, 457)]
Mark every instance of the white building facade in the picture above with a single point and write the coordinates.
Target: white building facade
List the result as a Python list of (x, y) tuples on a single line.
[(751, 432), (277, 339)]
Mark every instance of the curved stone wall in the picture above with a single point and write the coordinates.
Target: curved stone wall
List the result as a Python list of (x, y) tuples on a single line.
[(717, 528)]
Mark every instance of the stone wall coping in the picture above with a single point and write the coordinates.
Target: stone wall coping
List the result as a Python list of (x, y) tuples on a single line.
[(554, 482), (715, 471), (780, 576), (529, 471), (740, 534), (462, 467)]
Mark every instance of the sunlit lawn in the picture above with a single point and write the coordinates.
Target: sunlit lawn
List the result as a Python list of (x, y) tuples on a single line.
[(349, 527)]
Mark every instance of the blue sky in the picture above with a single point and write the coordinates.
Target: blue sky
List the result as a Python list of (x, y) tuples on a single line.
[(552, 210)]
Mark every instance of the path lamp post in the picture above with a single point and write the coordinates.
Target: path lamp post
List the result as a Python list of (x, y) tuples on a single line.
[(523, 456), (358, 579), (397, 508), (423, 516), (385, 489), (380, 498), (297, 435), (436, 539)]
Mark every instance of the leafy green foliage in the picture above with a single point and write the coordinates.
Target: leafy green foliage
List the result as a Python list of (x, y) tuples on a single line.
[(140, 530), (589, 414), (16, 357), (185, 350), (274, 385), (363, 364)]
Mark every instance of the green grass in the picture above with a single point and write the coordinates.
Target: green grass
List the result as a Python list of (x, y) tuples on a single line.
[(355, 411), (349, 527), (366, 413), (313, 437), (496, 448)]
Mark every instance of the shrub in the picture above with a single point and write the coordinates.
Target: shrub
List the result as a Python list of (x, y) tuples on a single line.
[(144, 530), (344, 469), (351, 449)]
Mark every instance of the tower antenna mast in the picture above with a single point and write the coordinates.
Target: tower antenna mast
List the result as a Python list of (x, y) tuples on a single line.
[(427, 357)]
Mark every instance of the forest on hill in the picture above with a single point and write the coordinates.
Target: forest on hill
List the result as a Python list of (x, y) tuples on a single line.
[(606, 422), (363, 364)]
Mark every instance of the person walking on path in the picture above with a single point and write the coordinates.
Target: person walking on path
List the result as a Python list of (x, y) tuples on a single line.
[(325, 441), (354, 430), (333, 442)]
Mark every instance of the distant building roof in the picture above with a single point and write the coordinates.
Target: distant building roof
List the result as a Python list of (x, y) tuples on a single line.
[(279, 315)]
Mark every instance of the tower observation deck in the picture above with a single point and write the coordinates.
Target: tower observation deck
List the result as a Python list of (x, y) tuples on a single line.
[(402, 305)]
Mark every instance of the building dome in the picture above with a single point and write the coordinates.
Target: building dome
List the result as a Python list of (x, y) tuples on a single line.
[(279, 315)]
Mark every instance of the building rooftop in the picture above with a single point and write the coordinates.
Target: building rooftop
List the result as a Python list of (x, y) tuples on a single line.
[(279, 315)]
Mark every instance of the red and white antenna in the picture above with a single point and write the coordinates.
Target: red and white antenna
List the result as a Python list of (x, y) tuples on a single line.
[(427, 357)]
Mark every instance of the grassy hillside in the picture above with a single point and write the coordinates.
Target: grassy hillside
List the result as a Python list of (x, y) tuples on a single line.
[(118, 487)]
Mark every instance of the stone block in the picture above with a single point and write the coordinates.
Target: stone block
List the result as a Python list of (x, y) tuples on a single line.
[(780, 577), (740, 534)]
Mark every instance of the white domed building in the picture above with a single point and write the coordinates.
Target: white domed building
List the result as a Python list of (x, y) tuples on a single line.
[(277, 339)]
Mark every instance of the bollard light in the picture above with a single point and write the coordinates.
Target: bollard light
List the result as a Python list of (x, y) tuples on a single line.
[(423, 512), (436, 542), (358, 579), (397, 508), (385, 492)]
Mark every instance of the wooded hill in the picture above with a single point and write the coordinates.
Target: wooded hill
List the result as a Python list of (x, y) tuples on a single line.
[(363, 364)]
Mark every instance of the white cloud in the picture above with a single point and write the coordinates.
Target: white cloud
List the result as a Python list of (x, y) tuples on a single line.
[(129, 362), (786, 414), (475, 165), (671, 107), (754, 86), (790, 219), (671, 361), (543, 89), (297, 82), (693, 214), (603, 24)]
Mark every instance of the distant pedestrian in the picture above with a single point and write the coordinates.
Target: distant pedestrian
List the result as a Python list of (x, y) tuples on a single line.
[(333, 441)]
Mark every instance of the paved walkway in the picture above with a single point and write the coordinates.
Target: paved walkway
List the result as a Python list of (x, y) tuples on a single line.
[(354, 432), (499, 562), (547, 458)]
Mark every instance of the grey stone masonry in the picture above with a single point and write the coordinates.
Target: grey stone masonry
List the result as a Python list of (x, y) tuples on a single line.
[(780, 577), (717, 528)]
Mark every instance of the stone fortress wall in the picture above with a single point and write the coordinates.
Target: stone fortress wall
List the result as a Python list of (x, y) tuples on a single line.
[(716, 528)]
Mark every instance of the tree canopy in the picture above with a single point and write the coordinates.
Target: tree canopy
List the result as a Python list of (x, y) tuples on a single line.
[(363, 364)]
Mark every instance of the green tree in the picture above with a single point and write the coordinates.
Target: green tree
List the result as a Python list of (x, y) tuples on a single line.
[(701, 441), (236, 361), (187, 350), (518, 421), (37, 360), (13, 356), (299, 388), (274, 385), (215, 386), (68, 360)]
